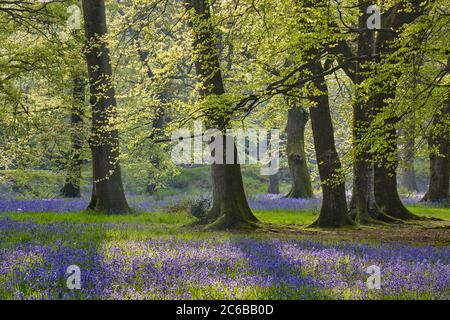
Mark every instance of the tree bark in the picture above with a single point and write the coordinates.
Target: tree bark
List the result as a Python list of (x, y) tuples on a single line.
[(333, 212), (385, 168), (385, 173), (360, 209), (363, 207), (384, 202), (230, 208), (438, 184), (385, 178), (71, 188), (295, 149), (108, 194), (440, 161)]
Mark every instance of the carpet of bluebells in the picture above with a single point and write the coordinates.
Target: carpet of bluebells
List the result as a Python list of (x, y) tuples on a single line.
[(115, 264), (219, 267), (259, 202)]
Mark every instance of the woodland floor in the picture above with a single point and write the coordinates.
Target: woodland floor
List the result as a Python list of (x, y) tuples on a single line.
[(160, 255), (418, 233)]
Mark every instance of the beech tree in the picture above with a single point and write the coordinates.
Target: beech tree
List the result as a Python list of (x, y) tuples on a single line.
[(385, 170), (333, 212), (230, 208), (363, 206), (375, 194), (295, 152), (439, 145), (108, 194)]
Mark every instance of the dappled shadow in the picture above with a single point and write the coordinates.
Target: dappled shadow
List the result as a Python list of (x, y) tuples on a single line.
[(283, 278)]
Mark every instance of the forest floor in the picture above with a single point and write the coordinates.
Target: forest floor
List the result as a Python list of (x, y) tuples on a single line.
[(159, 255), (417, 233), (433, 230)]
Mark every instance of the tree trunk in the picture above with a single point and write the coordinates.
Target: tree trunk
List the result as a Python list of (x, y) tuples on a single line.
[(385, 173), (408, 173), (108, 194), (440, 162), (157, 129), (360, 208), (385, 169), (438, 184), (333, 212), (295, 149), (230, 207), (363, 206), (71, 188), (274, 184)]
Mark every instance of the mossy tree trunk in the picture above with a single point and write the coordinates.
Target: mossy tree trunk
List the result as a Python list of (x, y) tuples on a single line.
[(379, 176), (295, 150), (108, 194), (230, 208)]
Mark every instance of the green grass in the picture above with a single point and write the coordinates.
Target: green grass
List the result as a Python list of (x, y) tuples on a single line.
[(421, 210), (281, 217), (306, 217), (94, 217), (143, 226)]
